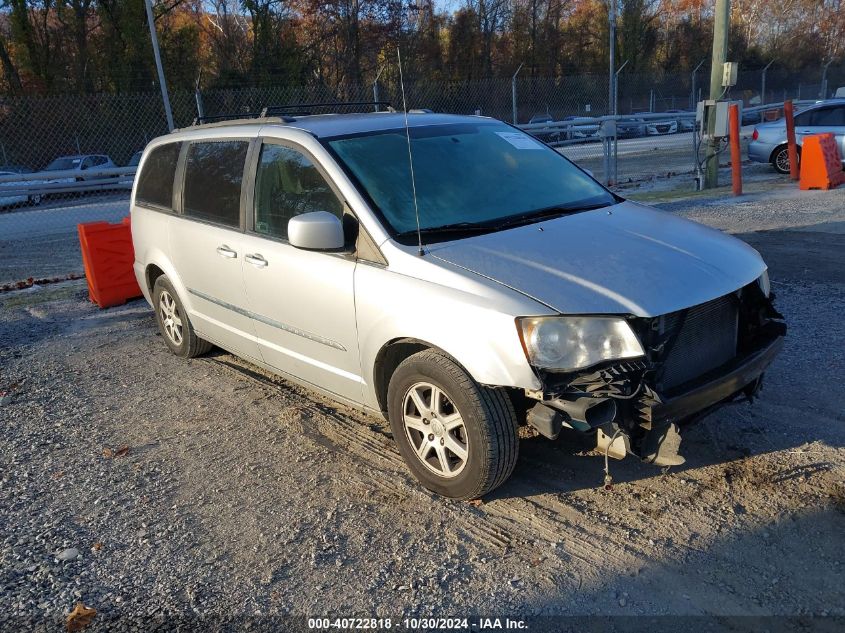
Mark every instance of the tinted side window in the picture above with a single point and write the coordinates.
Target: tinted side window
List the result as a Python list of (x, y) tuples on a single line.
[(828, 117), (803, 118), (155, 182), (213, 174), (288, 184)]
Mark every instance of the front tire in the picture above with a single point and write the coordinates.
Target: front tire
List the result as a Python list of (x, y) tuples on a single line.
[(173, 322), (457, 437)]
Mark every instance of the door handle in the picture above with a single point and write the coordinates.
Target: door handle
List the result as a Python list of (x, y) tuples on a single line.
[(225, 251), (256, 260)]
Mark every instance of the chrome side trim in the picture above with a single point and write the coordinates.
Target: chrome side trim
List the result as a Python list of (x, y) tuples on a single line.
[(267, 321)]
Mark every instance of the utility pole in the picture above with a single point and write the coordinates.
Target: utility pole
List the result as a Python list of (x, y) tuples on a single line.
[(721, 27), (611, 95), (154, 38)]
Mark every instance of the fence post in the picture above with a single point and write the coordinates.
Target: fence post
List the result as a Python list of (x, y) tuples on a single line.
[(790, 139), (513, 92), (198, 98), (736, 154)]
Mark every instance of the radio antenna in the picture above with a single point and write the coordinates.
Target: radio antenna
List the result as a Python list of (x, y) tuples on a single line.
[(410, 155)]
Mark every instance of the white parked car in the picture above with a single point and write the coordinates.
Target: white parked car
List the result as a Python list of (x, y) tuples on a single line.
[(11, 194), (658, 128), (498, 286)]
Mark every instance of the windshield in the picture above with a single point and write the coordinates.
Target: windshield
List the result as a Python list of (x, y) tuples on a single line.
[(483, 173), (61, 164)]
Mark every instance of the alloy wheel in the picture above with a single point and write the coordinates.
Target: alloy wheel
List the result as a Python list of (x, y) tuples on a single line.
[(782, 160), (435, 429), (170, 317)]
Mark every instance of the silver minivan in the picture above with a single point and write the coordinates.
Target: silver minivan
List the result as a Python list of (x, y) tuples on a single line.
[(452, 274)]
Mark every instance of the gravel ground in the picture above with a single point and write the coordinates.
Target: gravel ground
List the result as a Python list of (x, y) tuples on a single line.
[(163, 491)]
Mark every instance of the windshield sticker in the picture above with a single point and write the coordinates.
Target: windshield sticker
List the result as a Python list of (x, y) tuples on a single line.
[(520, 140)]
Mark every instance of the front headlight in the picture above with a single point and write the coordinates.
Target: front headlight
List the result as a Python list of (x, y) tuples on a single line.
[(764, 283), (567, 343)]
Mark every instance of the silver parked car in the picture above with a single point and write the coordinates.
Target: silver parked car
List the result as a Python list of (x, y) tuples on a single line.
[(78, 163), (483, 283), (768, 142)]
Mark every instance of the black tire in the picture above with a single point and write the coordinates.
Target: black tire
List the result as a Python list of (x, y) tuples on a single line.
[(780, 158), (189, 345), (489, 423)]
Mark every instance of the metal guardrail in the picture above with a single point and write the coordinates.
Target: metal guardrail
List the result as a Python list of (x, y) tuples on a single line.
[(592, 124), (46, 183)]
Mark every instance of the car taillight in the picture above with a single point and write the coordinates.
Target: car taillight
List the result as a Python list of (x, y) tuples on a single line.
[(755, 135)]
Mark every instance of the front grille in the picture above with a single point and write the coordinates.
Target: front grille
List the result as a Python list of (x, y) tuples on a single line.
[(707, 339)]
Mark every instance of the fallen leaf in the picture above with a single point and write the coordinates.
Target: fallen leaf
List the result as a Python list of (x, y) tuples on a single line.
[(97, 546), (122, 450), (80, 617), (58, 474), (108, 453), (475, 502)]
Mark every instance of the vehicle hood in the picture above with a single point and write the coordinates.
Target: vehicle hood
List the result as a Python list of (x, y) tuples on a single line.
[(624, 259)]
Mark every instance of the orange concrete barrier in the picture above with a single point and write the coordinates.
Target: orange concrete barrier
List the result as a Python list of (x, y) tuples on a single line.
[(821, 165), (108, 255)]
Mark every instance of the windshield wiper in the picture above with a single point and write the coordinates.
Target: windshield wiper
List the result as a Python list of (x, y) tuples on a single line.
[(458, 227), (507, 222), (545, 214)]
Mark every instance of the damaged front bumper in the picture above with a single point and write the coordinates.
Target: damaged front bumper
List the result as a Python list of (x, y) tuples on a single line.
[(634, 406), (747, 372)]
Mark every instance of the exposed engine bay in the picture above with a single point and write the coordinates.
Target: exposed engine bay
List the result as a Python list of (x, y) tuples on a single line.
[(695, 359)]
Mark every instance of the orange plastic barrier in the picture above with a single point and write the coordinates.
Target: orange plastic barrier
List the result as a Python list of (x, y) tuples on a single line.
[(108, 256), (821, 165)]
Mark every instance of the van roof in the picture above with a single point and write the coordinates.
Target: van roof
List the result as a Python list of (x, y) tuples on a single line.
[(329, 125)]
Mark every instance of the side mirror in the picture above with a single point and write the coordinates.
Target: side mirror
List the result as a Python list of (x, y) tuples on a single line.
[(316, 231)]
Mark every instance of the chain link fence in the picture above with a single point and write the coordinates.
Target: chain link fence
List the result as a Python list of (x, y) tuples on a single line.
[(66, 159)]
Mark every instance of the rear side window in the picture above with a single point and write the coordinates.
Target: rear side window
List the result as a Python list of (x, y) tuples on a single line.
[(213, 174), (155, 182), (828, 117)]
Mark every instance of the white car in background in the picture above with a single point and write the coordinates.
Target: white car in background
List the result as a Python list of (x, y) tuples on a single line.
[(15, 197), (658, 128)]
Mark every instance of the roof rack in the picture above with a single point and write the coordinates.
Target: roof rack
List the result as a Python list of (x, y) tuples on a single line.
[(304, 109), (284, 113)]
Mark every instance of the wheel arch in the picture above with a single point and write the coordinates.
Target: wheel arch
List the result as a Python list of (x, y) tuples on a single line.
[(156, 265), (391, 355)]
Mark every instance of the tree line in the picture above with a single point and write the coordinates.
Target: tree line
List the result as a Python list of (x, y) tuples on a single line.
[(92, 46)]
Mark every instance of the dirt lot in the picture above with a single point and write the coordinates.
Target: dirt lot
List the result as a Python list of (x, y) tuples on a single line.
[(241, 495)]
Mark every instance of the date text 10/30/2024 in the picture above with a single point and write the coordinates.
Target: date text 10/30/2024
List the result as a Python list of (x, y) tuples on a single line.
[(417, 624)]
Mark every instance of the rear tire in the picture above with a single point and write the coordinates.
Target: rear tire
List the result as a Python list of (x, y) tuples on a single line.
[(173, 322), (780, 159), (457, 437)]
